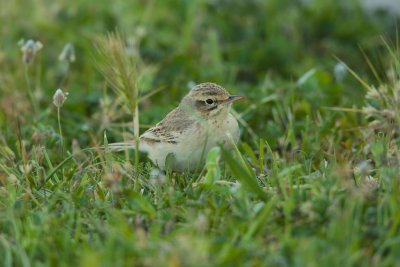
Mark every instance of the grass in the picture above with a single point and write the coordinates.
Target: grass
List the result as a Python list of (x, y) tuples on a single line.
[(314, 180)]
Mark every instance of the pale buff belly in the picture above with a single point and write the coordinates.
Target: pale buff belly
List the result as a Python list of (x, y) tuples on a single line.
[(191, 150)]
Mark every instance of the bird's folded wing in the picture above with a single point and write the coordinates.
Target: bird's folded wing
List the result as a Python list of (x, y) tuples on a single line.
[(158, 134), (170, 129)]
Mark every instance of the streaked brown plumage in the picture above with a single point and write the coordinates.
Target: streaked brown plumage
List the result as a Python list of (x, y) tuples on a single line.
[(201, 121)]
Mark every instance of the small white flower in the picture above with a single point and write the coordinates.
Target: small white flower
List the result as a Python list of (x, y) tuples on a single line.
[(235, 187), (68, 53), (131, 47), (363, 168), (157, 177), (370, 182), (29, 50), (59, 98), (340, 71), (25, 169), (325, 163)]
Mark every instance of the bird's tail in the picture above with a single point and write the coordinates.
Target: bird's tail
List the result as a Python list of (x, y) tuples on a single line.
[(120, 146)]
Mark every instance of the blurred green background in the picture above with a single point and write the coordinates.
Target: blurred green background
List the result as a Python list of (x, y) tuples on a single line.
[(256, 48)]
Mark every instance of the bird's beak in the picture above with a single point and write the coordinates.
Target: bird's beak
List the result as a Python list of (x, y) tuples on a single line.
[(233, 98)]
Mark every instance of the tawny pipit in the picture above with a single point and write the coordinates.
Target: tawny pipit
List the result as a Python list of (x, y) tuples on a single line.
[(201, 121)]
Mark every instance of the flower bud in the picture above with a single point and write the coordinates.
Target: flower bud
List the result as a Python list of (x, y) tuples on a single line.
[(59, 98), (340, 71), (68, 53), (29, 50)]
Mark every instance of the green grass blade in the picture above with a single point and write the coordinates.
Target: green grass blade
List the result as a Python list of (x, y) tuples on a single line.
[(241, 173), (53, 171)]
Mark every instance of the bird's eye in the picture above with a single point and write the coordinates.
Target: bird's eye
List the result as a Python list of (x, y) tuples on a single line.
[(209, 101)]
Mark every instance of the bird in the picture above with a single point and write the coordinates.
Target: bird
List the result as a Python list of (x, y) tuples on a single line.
[(201, 121)]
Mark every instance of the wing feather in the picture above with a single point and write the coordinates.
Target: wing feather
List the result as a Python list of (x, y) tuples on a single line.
[(169, 129)]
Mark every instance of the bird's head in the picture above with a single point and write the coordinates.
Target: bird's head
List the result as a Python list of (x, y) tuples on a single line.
[(209, 99)]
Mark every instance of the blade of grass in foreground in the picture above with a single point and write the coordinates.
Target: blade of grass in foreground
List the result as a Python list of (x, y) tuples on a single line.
[(247, 179), (260, 220), (53, 171)]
